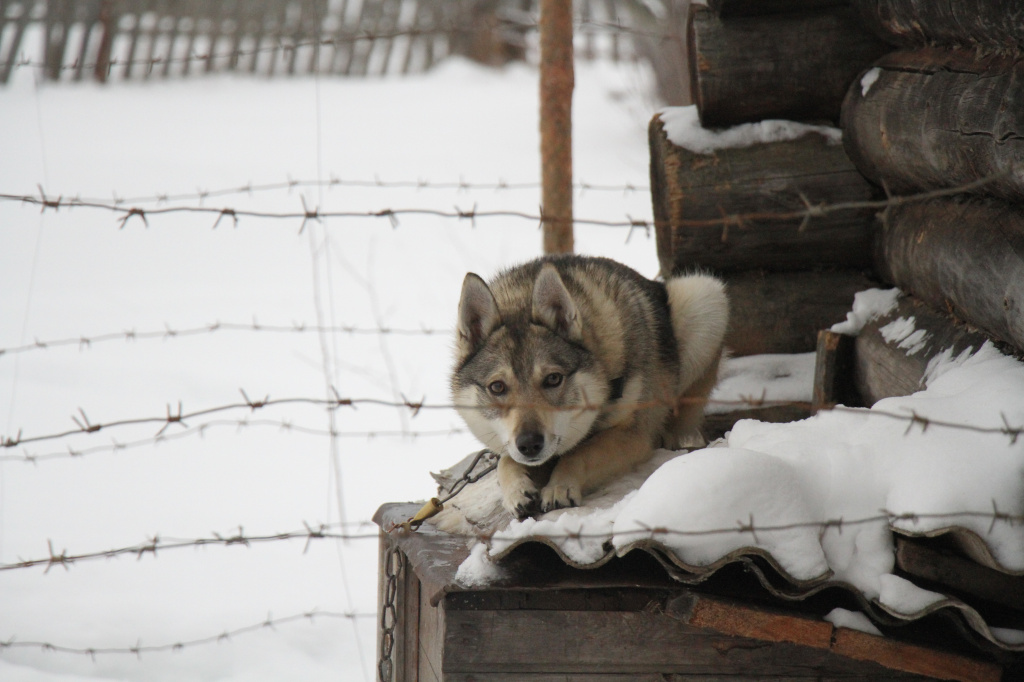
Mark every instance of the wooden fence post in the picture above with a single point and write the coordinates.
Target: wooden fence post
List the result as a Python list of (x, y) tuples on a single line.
[(556, 85)]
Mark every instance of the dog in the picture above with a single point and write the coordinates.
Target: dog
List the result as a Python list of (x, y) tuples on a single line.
[(575, 369)]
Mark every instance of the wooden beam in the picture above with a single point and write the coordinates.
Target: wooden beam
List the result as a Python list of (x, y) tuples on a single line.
[(961, 574), (888, 367), (965, 257), (556, 86), (783, 312), (938, 118), (691, 192), (915, 23), (793, 66), (833, 372), (909, 658)]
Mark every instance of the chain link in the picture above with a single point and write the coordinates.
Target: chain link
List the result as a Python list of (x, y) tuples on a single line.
[(394, 564)]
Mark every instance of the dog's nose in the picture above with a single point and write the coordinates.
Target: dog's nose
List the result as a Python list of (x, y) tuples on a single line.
[(530, 444)]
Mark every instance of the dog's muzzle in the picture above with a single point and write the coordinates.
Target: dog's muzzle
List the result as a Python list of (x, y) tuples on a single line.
[(530, 445)]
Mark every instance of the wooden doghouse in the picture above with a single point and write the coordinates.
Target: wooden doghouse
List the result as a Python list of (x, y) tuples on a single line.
[(627, 620), (764, 218)]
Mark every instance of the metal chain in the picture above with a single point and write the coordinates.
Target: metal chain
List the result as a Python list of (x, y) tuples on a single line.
[(394, 564)]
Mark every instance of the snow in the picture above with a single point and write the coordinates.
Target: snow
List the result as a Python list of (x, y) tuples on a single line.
[(683, 128), (905, 335), (867, 306), (854, 620), (478, 569), (771, 378), (73, 273), (868, 79), (903, 596)]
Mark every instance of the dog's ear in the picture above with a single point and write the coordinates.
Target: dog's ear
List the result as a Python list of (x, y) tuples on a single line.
[(553, 307), (478, 315)]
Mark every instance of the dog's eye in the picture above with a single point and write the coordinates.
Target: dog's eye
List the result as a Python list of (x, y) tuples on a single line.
[(497, 387), (552, 380)]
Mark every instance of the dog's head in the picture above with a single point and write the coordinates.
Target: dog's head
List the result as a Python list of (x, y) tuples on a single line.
[(524, 381)]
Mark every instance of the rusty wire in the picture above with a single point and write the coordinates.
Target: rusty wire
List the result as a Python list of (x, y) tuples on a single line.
[(138, 649), (178, 416)]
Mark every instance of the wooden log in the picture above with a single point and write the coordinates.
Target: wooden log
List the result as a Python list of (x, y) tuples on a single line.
[(793, 66), (748, 8), (916, 23), (937, 118), (692, 192), (966, 257), (782, 313), (889, 364)]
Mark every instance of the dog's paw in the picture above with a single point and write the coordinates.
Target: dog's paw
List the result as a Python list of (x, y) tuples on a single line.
[(558, 495), (521, 502)]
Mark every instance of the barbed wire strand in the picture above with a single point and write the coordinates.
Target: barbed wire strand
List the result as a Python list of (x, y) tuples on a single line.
[(342, 40), (725, 220), (179, 416), (290, 184), (138, 649), (310, 533), (168, 332), (238, 425)]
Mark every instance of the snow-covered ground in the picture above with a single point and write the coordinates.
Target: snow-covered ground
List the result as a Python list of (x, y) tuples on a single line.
[(72, 273)]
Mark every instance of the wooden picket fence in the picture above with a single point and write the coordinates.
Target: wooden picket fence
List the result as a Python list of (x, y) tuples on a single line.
[(140, 39)]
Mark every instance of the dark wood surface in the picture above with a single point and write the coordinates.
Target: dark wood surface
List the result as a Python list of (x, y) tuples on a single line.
[(793, 66), (692, 192), (965, 257), (922, 560), (783, 312), (833, 372), (746, 8), (884, 370), (991, 23), (937, 118)]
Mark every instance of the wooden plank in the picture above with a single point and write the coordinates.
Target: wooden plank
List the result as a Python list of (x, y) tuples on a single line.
[(692, 192), (913, 659), (969, 23), (746, 621), (939, 118), (783, 312), (964, 575), (524, 642), (834, 372), (884, 369), (794, 66), (432, 626), (715, 425), (10, 59), (966, 257)]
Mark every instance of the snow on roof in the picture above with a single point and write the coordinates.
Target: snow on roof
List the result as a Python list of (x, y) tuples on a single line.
[(683, 128), (820, 499)]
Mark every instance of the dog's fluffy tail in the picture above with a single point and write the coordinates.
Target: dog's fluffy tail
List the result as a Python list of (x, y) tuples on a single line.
[(700, 315)]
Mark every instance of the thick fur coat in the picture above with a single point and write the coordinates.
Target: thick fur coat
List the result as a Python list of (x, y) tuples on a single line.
[(574, 369)]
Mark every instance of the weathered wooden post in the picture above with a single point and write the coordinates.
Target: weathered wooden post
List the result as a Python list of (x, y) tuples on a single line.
[(556, 85)]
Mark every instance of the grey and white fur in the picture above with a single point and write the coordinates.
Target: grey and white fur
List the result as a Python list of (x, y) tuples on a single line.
[(575, 369)]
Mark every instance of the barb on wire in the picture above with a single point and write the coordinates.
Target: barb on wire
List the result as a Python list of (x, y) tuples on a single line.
[(462, 185), (85, 426), (83, 342), (138, 648), (725, 221), (238, 424), (311, 532)]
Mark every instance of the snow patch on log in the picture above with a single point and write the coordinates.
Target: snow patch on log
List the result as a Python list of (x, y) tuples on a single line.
[(683, 128)]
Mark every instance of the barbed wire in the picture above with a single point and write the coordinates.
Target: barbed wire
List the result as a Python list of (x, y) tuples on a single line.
[(138, 648), (290, 184), (238, 425), (725, 221), (341, 40), (155, 544), (168, 332), (172, 417)]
